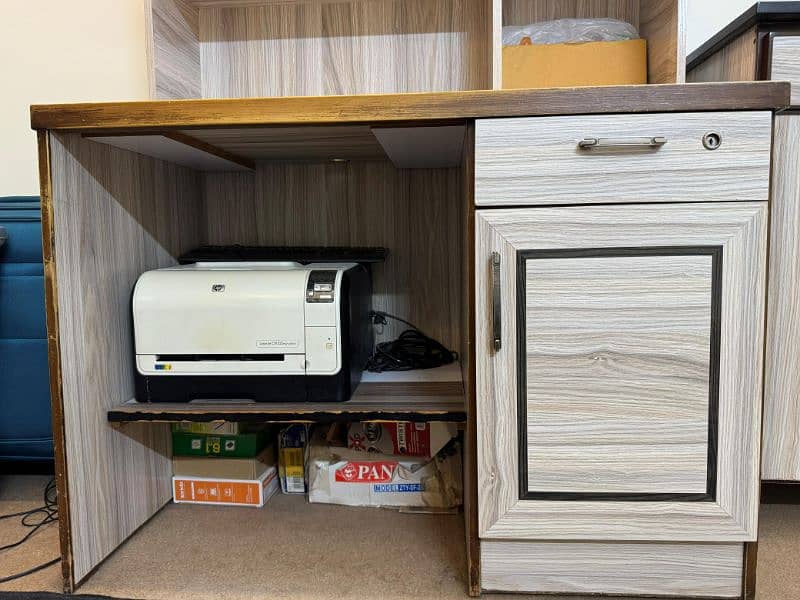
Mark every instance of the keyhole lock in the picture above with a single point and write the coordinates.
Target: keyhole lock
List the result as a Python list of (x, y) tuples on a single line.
[(712, 140)]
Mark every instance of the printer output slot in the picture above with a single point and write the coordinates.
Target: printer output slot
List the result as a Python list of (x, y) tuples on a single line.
[(220, 357)]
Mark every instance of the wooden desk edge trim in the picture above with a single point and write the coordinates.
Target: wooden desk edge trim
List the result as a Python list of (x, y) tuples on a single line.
[(342, 416), (399, 108)]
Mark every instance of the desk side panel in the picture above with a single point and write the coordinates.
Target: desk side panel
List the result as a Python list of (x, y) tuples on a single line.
[(780, 459), (116, 214), (736, 61)]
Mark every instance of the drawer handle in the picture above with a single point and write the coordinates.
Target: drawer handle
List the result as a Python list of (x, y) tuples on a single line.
[(497, 325), (624, 142)]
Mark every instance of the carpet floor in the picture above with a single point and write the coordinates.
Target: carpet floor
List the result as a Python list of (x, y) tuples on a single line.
[(317, 566)]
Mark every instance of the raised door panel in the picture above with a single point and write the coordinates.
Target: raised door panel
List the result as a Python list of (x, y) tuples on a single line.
[(619, 371), (616, 366)]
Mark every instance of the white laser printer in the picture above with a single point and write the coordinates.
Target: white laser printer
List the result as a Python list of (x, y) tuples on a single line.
[(263, 331)]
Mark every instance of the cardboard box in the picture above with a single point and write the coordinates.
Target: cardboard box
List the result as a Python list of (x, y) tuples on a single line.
[(401, 437), (354, 478), (218, 427), (573, 65), (291, 459), (238, 492), (242, 445), (224, 468)]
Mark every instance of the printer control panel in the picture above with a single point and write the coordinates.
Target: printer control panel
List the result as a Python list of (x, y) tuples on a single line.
[(321, 286)]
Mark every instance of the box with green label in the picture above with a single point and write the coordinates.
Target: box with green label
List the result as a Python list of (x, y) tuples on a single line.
[(242, 445)]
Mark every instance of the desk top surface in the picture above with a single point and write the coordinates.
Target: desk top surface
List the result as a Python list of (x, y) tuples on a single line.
[(433, 107)]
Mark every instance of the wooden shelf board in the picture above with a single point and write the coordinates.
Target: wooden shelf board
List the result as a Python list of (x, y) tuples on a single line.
[(251, 3), (434, 395), (237, 149), (441, 107), (175, 147), (351, 142)]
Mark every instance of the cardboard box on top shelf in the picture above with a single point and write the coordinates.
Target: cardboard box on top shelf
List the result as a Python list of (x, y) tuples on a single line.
[(575, 65)]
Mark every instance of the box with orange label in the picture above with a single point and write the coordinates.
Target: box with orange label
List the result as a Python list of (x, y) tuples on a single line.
[(236, 492)]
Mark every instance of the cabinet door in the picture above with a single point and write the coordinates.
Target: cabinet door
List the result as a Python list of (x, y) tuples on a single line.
[(619, 371)]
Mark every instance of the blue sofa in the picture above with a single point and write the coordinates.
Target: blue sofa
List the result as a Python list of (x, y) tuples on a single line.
[(25, 429)]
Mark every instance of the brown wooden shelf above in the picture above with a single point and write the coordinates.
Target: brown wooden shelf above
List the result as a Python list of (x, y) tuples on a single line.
[(435, 395), (439, 107)]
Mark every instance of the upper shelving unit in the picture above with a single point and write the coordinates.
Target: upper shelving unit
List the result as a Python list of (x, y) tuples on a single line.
[(264, 48)]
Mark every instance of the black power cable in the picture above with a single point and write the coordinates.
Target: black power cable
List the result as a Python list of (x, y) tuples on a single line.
[(412, 350), (48, 513)]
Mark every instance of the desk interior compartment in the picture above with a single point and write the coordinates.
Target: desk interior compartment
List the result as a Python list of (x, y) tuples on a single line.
[(119, 211)]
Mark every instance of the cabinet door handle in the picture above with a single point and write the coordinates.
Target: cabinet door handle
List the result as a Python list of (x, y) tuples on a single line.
[(622, 142), (497, 324)]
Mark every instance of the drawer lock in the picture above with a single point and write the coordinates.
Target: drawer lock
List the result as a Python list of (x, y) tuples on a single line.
[(712, 140)]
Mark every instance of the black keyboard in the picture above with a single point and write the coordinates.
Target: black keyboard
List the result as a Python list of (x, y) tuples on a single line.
[(300, 254)]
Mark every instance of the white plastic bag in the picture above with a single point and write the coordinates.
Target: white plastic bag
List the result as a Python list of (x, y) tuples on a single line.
[(566, 31)]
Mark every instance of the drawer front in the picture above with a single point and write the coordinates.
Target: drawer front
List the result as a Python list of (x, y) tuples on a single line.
[(786, 63), (637, 158)]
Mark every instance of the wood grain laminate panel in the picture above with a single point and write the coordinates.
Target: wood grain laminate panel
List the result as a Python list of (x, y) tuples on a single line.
[(781, 453), (176, 151), (116, 214), (734, 62), (467, 360), (422, 147), (415, 213), (523, 12), (295, 143), (740, 228), (381, 46), (673, 570), (446, 406), (663, 24), (786, 63), (530, 161), (618, 373), (173, 48), (241, 3), (54, 359), (406, 108)]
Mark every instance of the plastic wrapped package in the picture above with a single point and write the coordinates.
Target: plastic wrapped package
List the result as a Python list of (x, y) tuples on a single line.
[(570, 31)]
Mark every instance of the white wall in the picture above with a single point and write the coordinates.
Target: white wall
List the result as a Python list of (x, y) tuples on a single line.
[(706, 17), (62, 51)]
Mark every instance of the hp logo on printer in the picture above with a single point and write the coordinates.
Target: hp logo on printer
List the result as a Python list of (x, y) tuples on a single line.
[(218, 287)]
